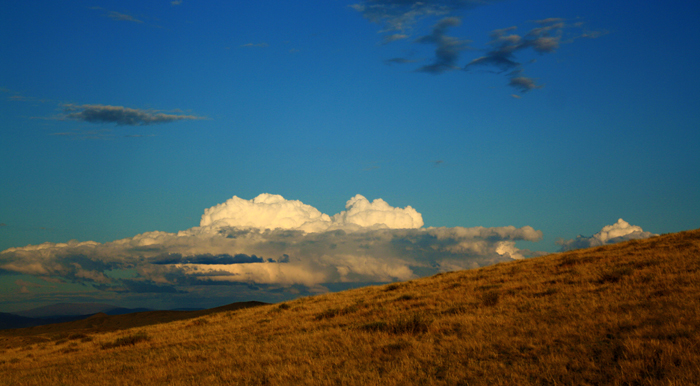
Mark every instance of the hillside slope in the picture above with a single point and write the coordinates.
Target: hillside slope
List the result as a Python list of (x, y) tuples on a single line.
[(626, 314)]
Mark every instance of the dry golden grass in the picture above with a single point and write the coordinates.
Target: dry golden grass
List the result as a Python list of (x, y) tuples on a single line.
[(626, 314)]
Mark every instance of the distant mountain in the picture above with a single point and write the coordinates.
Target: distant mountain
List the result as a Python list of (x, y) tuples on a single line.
[(102, 321), (8, 321), (60, 313), (76, 309), (15, 321)]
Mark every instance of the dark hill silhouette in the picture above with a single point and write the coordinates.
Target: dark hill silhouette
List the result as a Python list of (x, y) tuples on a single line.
[(102, 322)]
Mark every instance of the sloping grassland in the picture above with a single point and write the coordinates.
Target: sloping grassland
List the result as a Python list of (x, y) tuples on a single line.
[(627, 314)]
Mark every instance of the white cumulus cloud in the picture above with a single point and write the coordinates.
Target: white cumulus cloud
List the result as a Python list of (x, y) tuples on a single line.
[(610, 234), (272, 211)]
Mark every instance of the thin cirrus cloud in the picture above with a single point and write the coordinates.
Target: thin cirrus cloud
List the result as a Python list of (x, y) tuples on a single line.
[(122, 17), (120, 115), (610, 234), (398, 61), (272, 241), (398, 17), (263, 44), (118, 16)]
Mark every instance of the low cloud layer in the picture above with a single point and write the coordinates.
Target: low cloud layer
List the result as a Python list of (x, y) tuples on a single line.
[(120, 115), (610, 234), (273, 241)]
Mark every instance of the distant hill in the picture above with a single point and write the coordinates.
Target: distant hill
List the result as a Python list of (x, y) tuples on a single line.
[(8, 321), (75, 309), (60, 313), (102, 321), (623, 314)]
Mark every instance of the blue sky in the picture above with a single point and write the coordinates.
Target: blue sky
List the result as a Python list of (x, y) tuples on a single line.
[(575, 123)]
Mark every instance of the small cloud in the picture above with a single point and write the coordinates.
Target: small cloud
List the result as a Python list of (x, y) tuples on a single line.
[(120, 115), (401, 15), (24, 283), (393, 38), (447, 48), (549, 20), (176, 2), (516, 96), (438, 162), (523, 83), (293, 50), (263, 44), (139, 135), (610, 234), (389, 62), (17, 97), (103, 134), (122, 17)]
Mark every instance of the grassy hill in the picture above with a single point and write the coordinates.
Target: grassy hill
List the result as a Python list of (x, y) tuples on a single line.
[(626, 314)]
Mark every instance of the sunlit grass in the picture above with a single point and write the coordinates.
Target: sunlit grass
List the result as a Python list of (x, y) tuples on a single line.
[(627, 314)]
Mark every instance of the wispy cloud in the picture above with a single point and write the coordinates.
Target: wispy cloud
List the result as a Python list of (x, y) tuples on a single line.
[(118, 16), (18, 97), (399, 61), (271, 241), (120, 115), (523, 83), (399, 16), (610, 234), (263, 44), (394, 37), (122, 17), (176, 2), (447, 48), (102, 134)]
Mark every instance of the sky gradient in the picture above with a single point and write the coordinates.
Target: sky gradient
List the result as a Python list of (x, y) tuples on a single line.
[(120, 118)]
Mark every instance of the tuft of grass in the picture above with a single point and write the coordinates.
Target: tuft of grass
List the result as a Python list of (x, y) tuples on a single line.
[(614, 275), (333, 312), (128, 340), (415, 324), (77, 336), (392, 287), (198, 322), (374, 326), (490, 298)]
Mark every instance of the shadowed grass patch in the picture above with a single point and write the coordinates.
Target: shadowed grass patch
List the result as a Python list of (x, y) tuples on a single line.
[(615, 275), (128, 340), (415, 324)]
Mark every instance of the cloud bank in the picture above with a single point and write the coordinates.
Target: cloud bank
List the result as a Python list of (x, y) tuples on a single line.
[(610, 234), (272, 241), (120, 115)]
